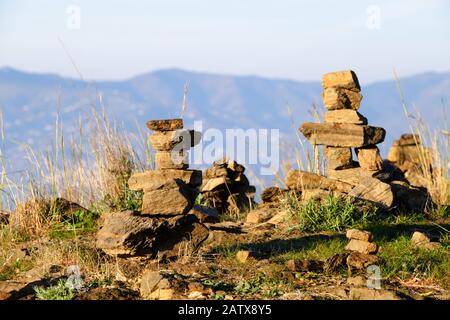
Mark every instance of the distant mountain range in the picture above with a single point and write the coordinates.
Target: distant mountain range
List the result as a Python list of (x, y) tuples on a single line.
[(29, 101)]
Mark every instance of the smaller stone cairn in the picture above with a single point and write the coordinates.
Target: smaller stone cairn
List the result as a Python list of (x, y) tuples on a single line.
[(226, 187), (362, 249), (344, 129), (164, 224), (171, 189), (412, 158)]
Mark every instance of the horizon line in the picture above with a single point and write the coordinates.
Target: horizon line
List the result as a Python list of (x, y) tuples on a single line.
[(206, 73)]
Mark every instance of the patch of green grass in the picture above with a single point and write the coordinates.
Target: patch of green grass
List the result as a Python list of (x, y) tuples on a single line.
[(10, 271), (80, 222), (400, 258), (315, 251), (95, 283), (57, 292), (229, 251), (440, 212), (331, 214), (200, 200), (129, 200)]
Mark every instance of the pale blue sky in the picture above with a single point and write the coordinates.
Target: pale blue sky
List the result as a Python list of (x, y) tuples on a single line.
[(285, 38)]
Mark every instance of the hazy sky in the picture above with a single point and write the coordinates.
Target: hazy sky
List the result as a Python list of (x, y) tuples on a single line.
[(284, 38)]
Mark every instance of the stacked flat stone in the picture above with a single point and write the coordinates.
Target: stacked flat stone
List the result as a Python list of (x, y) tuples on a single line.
[(225, 186), (171, 189), (362, 249), (344, 129), (165, 225)]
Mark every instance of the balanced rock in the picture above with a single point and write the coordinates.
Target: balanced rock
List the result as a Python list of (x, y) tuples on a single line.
[(175, 140), (171, 160), (369, 158), (342, 134), (172, 198), (165, 125), (338, 158), (335, 98), (359, 235), (344, 116), (362, 246), (373, 190), (344, 79), (154, 179), (360, 261)]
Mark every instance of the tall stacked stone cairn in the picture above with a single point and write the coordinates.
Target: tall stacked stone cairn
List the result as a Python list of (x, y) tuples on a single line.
[(344, 129), (164, 224), (226, 188)]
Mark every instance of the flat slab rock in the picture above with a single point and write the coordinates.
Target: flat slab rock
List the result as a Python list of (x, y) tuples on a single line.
[(373, 190), (342, 134), (359, 235), (154, 179), (344, 79), (165, 125), (301, 180), (360, 261), (344, 116), (128, 233), (351, 175), (361, 246), (178, 139)]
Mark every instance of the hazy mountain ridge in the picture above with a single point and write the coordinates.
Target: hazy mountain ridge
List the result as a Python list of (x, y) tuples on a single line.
[(30, 101)]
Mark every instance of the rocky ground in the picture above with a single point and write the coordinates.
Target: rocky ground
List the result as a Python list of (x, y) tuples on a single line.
[(237, 261)]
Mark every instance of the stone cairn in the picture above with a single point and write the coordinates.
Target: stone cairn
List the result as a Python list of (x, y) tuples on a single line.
[(344, 128), (362, 249), (412, 158), (226, 187), (171, 189), (165, 223)]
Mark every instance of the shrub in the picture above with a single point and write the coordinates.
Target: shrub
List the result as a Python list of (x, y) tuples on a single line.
[(57, 292), (331, 214)]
